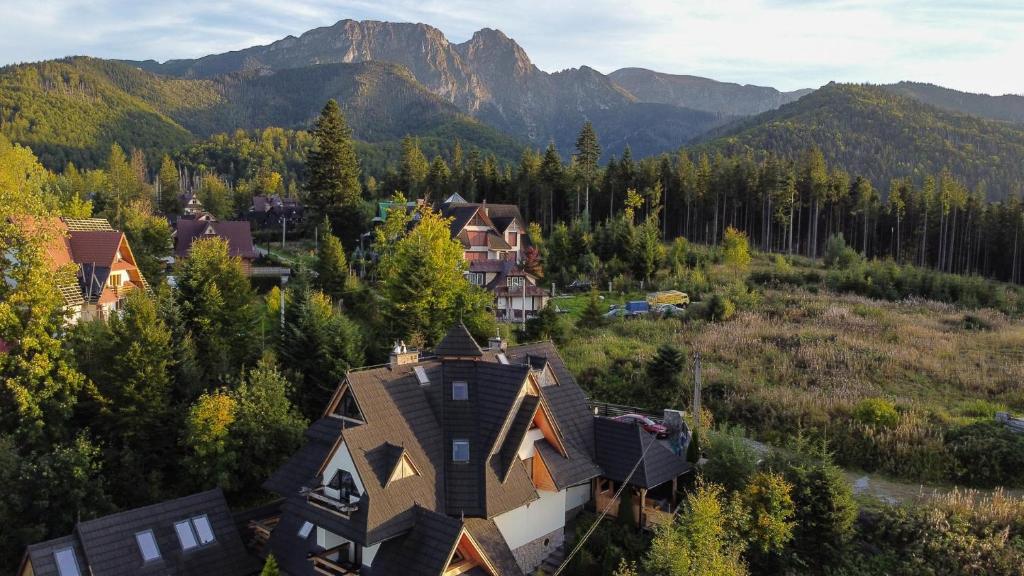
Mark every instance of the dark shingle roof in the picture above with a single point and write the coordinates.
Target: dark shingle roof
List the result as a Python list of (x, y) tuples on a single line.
[(291, 551), (42, 555), (621, 444), (109, 546), (300, 470), (238, 235), (493, 545), (458, 342), (423, 551)]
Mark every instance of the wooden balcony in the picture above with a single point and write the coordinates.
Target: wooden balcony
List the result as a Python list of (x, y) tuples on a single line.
[(334, 561), (259, 532), (319, 498)]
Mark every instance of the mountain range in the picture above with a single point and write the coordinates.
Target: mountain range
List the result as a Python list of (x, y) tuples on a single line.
[(394, 79)]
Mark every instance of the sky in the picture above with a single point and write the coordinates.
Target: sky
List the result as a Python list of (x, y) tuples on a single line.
[(976, 46)]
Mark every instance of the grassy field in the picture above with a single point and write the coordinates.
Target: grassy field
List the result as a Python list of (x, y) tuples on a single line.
[(801, 361)]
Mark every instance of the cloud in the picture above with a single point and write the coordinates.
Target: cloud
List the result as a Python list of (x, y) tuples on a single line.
[(789, 44)]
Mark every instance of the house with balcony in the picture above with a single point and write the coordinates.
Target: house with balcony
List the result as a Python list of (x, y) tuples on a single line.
[(93, 265), (186, 536), (516, 293), (467, 460), (487, 231)]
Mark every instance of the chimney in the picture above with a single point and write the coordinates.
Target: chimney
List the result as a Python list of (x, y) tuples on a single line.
[(496, 343), (401, 354)]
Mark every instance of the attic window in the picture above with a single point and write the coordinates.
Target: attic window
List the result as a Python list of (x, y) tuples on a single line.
[(147, 546), (347, 407), (404, 468), (502, 359), (194, 532), (460, 390), (460, 450), (421, 375), (67, 563), (514, 281), (305, 530), (345, 484)]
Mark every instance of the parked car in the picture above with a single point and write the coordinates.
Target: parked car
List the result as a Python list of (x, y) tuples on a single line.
[(649, 426), (617, 313), (637, 307), (669, 311), (579, 285)]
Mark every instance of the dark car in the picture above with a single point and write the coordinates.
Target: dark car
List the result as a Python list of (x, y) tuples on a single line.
[(579, 285), (649, 426)]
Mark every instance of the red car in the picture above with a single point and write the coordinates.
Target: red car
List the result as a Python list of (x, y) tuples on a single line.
[(650, 426)]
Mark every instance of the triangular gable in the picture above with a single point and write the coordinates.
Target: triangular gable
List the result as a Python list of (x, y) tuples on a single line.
[(468, 555), (403, 468), (542, 419), (345, 405)]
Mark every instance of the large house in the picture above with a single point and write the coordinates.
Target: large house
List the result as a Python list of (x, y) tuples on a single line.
[(237, 234), (188, 536), (465, 461), (268, 211), (104, 267), (494, 242)]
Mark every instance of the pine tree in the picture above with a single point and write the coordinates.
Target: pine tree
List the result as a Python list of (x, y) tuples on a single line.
[(333, 187), (331, 265), (592, 315), (665, 376), (414, 166), (588, 154), (270, 567), (170, 188)]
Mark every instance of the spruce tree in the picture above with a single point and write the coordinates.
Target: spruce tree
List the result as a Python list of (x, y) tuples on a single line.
[(170, 190), (592, 316), (665, 376), (333, 187), (414, 166), (588, 154), (331, 265)]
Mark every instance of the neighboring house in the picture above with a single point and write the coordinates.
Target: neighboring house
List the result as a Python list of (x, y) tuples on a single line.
[(105, 270), (467, 461), (190, 204), (515, 292), (192, 535), (238, 235), (269, 211), (487, 231)]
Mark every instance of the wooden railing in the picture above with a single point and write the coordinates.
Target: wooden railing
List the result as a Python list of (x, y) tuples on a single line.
[(319, 498), (323, 564), (260, 532)]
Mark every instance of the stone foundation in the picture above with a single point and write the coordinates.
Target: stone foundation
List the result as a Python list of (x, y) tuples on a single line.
[(530, 555)]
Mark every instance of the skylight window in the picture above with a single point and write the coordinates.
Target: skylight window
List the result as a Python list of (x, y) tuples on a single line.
[(460, 450), (147, 546), (421, 375), (460, 390), (194, 532), (305, 530), (67, 564), (502, 359)]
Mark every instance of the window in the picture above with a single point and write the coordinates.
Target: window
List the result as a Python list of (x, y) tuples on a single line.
[(460, 390), (114, 280), (476, 278), (460, 450), (67, 564), (203, 529), (194, 532), (421, 375), (514, 281), (305, 530), (185, 535), (345, 484), (147, 546)]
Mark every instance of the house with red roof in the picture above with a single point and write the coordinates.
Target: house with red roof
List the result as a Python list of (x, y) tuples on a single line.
[(103, 265), (237, 234)]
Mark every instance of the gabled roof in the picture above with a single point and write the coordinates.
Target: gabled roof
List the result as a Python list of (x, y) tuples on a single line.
[(458, 342), (621, 444), (238, 235), (87, 224), (107, 545), (95, 247)]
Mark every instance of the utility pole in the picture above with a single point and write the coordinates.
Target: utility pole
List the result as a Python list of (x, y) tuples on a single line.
[(696, 393), (284, 228), (524, 305)]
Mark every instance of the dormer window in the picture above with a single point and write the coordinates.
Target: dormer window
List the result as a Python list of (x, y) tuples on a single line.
[(460, 451), (147, 546), (514, 281), (476, 278), (421, 375), (67, 563), (460, 390)]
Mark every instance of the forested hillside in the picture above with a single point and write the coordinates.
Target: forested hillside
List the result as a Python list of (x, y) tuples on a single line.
[(74, 109), (1008, 107), (881, 135)]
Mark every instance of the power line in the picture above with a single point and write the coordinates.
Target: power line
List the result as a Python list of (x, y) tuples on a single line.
[(604, 512)]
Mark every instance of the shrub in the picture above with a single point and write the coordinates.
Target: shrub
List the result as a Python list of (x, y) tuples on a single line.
[(731, 459), (736, 249), (987, 454), (838, 254), (876, 412)]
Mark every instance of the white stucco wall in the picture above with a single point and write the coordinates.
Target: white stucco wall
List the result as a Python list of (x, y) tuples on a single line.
[(369, 553), (342, 460), (526, 449), (527, 523), (577, 496)]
